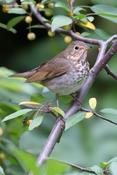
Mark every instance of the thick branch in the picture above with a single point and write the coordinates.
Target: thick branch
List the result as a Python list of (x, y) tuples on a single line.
[(53, 138), (101, 62), (57, 129)]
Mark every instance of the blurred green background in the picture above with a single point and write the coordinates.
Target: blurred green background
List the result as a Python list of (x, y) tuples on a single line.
[(88, 143)]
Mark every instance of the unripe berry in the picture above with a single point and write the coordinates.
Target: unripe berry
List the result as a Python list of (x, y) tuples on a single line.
[(50, 5), (78, 33), (67, 39), (28, 19), (1, 131), (31, 36), (24, 6), (67, 27), (48, 12), (28, 122), (50, 33), (40, 6), (70, 13), (2, 156), (5, 8)]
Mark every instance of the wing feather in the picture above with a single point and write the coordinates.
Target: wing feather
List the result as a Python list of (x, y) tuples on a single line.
[(50, 70)]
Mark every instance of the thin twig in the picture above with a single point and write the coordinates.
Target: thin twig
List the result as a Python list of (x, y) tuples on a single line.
[(112, 38), (85, 170), (82, 169), (109, 72), (98, 115), (103, 118), (42, 20)]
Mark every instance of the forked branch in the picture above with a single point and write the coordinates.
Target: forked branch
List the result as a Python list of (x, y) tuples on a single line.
[(102, 59)]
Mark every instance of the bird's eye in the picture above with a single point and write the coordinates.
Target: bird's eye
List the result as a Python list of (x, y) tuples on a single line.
[(76, 48)]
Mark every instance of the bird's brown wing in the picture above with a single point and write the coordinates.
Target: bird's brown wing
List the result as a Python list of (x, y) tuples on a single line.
[(49, 70)]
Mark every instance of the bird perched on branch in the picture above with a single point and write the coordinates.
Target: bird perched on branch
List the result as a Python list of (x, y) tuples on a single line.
[(65, 73)]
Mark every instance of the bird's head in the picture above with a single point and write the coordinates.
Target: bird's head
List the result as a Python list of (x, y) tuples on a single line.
[(76, 50)]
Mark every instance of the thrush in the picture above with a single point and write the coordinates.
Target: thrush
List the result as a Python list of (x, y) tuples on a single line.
[(65, 73)]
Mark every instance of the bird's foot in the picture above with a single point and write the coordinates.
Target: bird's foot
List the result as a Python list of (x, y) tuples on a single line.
[(75, 99), (61, 120)]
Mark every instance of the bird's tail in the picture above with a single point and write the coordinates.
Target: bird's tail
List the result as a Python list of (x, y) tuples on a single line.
[(24, 74)]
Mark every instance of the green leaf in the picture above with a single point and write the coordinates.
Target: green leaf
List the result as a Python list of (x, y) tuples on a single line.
[(12, 30), (4, 72), (101, 34), (17, 10), (60, 21), (109, 111), (104, 165), (36, 122), (16, 114), (113, 160), (36, 26), (81, 17), (105, 11), (27, 160), (2, 2), (28, 2), (62, 5), (77, 10), (73, 120), (85, 34), (57, 111), (30, 104), (3, 26), (113, 168), (1, 171), (56, 167), (90, 18), (44, 1), (10, 1), (14, 21)]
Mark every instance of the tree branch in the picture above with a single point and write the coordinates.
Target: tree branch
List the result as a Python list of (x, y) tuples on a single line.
[(82, 169), (98, 115), (43, 21), (57, 129), (103, 118), (101, 62), (109, 72)]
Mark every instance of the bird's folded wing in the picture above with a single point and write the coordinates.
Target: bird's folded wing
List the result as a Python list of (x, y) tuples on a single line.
[(50, 70)]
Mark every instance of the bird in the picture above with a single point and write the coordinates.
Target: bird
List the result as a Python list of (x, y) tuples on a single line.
[(65, 73)]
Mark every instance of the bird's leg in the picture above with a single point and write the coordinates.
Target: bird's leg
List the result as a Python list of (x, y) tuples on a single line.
[(62, 123), (75, 98), (57, 100)]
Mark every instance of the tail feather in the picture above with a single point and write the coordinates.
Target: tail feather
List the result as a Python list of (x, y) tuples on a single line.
[(24, 74)]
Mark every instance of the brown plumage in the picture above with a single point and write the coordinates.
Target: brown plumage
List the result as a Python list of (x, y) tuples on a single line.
[(65, 73)]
